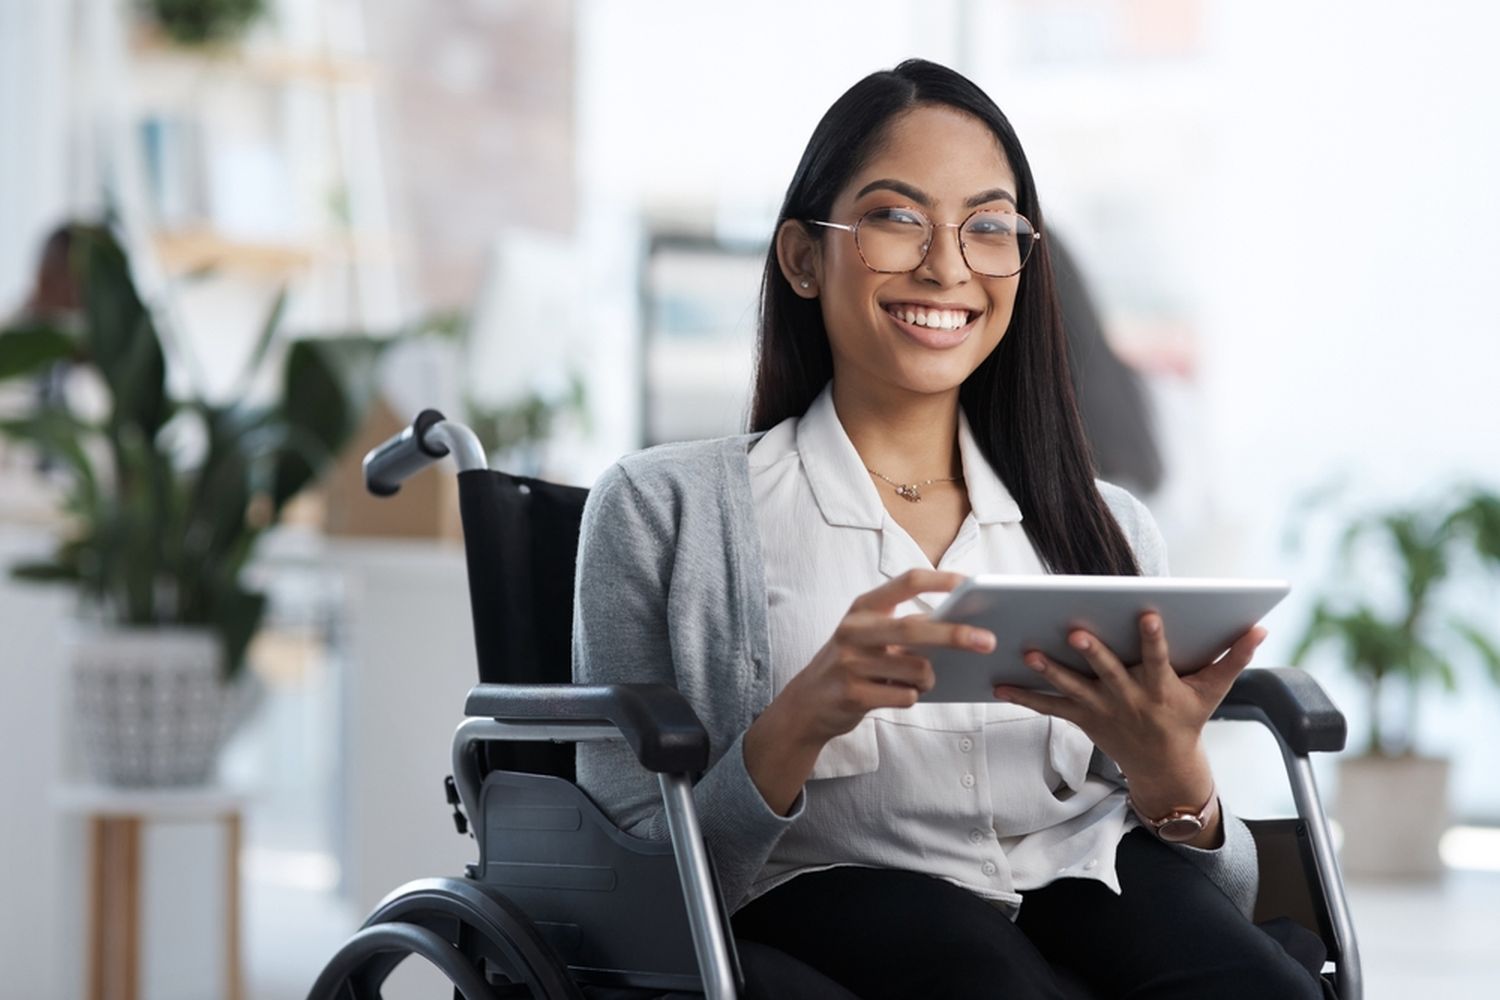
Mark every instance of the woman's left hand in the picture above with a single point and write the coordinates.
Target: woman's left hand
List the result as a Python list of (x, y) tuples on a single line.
[(1147, 718)]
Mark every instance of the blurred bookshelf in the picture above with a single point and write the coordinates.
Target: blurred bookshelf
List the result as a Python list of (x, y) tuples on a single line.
[(239, 169)]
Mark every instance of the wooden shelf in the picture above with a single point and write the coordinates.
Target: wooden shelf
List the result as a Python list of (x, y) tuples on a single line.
[(185, 251), (272, 63)]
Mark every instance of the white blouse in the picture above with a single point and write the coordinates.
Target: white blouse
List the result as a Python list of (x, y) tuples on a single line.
[(995, 798)]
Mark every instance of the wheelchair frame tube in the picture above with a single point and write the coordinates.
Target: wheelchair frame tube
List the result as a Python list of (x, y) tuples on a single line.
[(468, 454), (1310, 808), (472, 731), (710, 940), (1304, 784), (697, 887)]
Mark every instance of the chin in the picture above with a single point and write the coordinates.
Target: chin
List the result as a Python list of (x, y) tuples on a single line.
[(930, 380)]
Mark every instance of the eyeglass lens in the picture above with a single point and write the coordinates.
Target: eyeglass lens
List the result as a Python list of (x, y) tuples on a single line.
[(995, 244)]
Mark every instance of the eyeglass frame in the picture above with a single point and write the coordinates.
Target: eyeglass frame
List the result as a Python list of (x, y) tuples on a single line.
[(963, 251)]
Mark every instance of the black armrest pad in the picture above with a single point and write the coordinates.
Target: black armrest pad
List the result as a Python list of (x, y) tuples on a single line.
[(1293, 703), (655, 719)]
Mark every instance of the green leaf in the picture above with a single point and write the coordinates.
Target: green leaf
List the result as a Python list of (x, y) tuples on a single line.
[(120, 334), (237, 614), (263, 342), (34, 347), (44, 572), (1478, 520), (328, 383), (60, 436), (1489, 652)]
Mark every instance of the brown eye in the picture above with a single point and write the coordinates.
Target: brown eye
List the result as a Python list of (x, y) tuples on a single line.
[(895, 218)]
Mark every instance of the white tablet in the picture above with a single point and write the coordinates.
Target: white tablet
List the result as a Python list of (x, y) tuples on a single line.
[(1202, 618)]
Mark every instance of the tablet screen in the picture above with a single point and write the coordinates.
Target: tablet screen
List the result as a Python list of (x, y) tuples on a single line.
[(1202, 618)]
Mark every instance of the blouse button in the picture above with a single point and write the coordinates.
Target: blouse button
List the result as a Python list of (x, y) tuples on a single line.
[(1092, 864), (976, 836), (988, 868), (966, 744), (967, 781)]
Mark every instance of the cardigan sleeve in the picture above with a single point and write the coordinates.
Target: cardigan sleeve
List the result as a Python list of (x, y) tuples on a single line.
[(626, 555), (1233, 866)]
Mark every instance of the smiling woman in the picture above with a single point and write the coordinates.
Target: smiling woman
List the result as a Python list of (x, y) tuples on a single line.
[(913, 424)]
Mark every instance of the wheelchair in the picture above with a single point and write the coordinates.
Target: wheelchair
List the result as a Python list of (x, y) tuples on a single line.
[(562, 904)]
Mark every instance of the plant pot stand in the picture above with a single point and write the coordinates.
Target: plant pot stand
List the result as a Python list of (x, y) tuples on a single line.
[(116, 820)]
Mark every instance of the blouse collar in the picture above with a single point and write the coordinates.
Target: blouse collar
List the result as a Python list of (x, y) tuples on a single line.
[(844, 491)]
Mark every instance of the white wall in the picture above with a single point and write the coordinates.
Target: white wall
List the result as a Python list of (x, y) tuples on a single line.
[(1355, 333), (41, 881), (36, 176)]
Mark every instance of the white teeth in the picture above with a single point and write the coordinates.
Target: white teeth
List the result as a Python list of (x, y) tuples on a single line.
[(933, 319)]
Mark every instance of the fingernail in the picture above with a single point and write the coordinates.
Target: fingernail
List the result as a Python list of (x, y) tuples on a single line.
[(1079, 642), (1153, 626), (1002, 694), (982, 641), (1035, 663)]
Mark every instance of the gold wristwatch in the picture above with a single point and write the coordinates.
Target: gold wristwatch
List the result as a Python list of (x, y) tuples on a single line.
[(1182, 823)]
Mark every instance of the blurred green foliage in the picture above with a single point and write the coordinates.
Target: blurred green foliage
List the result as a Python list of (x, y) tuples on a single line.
[(160, 531), (197, 22), (1429, 552)]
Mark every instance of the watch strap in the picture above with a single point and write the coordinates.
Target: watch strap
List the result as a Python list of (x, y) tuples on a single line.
[(1181, 823)]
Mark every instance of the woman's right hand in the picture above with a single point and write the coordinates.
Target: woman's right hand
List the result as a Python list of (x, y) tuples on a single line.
[(866, 664)]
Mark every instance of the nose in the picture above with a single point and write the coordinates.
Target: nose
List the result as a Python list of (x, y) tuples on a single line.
[(944, 264)]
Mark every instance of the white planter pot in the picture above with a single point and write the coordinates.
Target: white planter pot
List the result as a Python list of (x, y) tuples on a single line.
[(1393, 811), (151, 704)]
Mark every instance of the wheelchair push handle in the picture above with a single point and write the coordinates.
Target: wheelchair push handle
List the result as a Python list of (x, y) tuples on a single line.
[(429, 438)]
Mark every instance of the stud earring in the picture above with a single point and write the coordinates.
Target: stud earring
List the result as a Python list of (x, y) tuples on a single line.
[(805, 283)]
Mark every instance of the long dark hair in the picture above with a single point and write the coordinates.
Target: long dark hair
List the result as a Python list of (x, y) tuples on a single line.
[(1020, 400)]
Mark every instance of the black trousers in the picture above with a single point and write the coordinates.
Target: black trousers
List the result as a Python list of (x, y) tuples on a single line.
[(1171, 933)]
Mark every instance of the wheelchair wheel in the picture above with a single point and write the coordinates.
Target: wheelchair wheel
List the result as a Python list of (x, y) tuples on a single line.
[(481, 941)]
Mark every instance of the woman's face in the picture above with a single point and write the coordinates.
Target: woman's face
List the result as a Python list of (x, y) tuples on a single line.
[(926, 330)]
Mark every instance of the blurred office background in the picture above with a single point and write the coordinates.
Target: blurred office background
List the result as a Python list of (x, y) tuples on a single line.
[(556, 211)]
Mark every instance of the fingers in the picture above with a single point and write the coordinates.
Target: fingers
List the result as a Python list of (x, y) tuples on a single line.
[(1214, 681), (873, 695), (897, 668), (898, 590), (874, 630), (1105, 664), (1156, 659), (1064, 680), (1042, 703)]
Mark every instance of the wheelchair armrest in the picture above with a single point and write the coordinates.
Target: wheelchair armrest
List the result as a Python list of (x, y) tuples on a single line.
[(655, 719), (1292, 704)]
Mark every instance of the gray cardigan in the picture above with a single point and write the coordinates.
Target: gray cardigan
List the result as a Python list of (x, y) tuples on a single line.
[(671, 589)]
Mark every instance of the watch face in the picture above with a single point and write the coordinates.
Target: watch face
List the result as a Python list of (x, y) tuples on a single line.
[(1180, 828)]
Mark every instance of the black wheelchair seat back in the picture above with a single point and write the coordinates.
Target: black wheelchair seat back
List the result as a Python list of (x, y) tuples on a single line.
[(521, 538)]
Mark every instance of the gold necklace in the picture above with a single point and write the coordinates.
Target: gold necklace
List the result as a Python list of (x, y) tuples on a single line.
[(912, 492)]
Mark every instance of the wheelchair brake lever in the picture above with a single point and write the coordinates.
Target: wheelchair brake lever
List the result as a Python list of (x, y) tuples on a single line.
[(450, 791)]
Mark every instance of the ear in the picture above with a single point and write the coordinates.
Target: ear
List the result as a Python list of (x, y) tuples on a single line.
[(801, 259)]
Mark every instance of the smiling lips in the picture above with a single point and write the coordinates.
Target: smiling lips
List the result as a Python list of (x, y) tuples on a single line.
[(932, 326)]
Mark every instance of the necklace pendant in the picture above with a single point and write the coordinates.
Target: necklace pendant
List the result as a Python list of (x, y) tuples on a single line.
[(909, 492)]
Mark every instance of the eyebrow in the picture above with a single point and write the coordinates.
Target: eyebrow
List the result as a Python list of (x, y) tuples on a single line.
[(921, 198)]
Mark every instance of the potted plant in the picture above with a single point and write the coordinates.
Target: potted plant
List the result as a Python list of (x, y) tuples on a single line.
[(164, 500), (1393, 802), (200, 22)]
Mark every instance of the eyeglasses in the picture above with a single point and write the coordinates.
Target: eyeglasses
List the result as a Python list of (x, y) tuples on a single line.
[(896, 240)]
